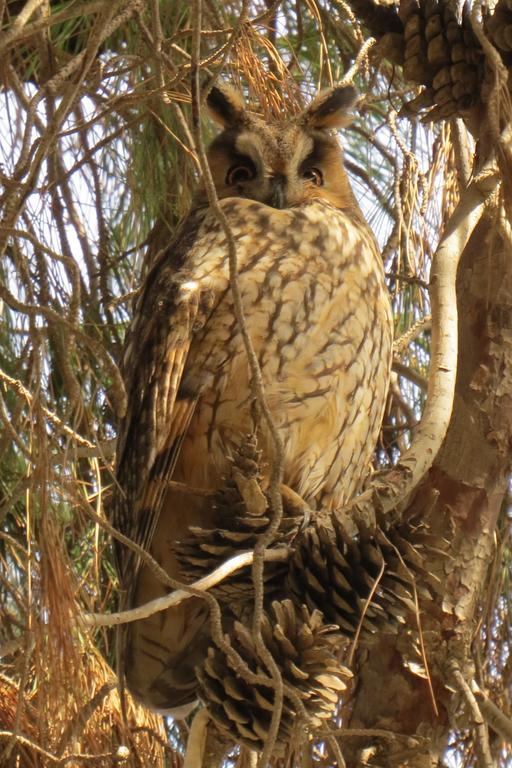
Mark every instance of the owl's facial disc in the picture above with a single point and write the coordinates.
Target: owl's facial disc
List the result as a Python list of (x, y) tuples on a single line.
[(281, 164)]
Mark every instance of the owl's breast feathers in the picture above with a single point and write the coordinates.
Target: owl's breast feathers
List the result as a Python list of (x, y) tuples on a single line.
[(319, 317)]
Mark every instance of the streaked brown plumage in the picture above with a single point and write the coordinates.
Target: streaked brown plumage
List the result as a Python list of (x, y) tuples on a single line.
[(319, 317)]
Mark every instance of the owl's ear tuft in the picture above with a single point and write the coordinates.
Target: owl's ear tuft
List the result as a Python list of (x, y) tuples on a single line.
[(226, 105), (330, 109)]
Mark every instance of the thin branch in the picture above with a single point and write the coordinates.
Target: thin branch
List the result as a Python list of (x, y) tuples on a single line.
[(412, 333), (10, 429), (336, 752), (82, 758), (411, 374), (366, 605), (417, 616), (78, 723), (367, 180), (196, 741), (492, 715), (32, 310), (203, 584), (361, 58), (238, 664), (369, 733), (19, 22), (25, 31), (176, 485), (482, 747), (52, 417)]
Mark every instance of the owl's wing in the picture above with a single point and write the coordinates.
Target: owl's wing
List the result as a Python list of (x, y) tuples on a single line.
[(170, 310)]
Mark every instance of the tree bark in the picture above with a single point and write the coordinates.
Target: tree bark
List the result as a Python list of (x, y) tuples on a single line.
[(460, 499)]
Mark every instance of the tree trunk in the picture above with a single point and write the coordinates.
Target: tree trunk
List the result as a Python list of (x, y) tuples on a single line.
[(461, 500)]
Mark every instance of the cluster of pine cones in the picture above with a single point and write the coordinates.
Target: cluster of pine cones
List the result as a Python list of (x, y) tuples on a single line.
[(332, 590), (435, 43)]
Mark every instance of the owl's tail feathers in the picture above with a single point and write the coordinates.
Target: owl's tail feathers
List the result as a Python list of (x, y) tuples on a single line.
[(161, 655)]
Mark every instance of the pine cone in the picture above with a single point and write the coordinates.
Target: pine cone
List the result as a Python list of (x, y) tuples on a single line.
[(499, 29), (438, 51), (241, 518), (442, 54), (304, 648), (336, 574)]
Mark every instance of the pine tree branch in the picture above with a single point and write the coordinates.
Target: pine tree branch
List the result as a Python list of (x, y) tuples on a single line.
[(203, 584), (493, 716), (395, 487), (196, 741), (482, 747)]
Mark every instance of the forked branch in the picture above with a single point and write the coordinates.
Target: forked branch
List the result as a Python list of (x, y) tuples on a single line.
[(395, 486)]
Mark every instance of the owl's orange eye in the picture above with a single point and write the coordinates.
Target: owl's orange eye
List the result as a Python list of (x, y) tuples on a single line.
[(237, 174), (314, 175)]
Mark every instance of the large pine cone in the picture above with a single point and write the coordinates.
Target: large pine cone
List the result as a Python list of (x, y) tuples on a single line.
[(242, 516), (434, 42), (439, 52), (443, 54), (364, 583), (304, 648)]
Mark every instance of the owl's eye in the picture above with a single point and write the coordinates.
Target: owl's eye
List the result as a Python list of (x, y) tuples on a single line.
[(239, 173), (314, 175)]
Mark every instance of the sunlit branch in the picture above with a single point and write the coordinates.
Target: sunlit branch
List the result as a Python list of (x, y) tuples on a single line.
[(431, 431), (196, 741), (492, 714), (482, 747), (52, 417), (402, 342), (409, 373), (179, 595)]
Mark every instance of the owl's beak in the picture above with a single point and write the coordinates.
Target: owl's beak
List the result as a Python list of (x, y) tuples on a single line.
[(277, 197)]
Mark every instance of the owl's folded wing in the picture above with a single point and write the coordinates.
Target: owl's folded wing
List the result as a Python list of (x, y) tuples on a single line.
[(170, 310)]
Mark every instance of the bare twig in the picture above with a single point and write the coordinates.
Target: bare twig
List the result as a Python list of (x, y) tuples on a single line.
[(482, 747), (492, 715), (161, 575), (205, 583), (411, 374), (21, 390), (19, 22), (412, 333), (78, 723), (16, 34), (33, 310), (423, 650), (365, 607), (336, 751), (62, 761), (361, 58)]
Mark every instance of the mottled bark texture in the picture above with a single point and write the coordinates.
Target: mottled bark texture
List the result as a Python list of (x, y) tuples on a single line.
[(461, 498)]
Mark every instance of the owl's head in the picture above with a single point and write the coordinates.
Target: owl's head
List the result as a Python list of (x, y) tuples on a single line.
[(285, 162)]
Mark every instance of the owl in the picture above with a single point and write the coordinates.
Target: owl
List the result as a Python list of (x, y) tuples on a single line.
[(318, 314)]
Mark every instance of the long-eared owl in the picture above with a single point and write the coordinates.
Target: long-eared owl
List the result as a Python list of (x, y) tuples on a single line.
[(318, 313)]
